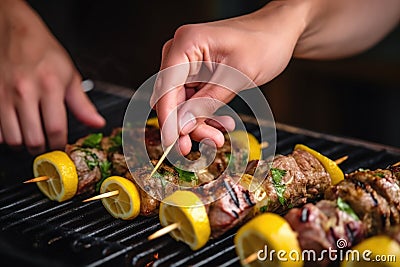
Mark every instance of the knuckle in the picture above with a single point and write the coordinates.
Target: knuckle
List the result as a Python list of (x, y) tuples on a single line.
[(22, 88), (55, 130), (190, 32)]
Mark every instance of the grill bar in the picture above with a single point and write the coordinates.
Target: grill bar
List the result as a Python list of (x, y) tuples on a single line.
[(84, 234)]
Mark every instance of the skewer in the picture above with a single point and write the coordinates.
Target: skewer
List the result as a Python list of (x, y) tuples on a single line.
[(165, 230), (104, 195), (160, 161), (252, 257), (37, 179), (264, 144), (396, 164), (341, 160), (171, 227)]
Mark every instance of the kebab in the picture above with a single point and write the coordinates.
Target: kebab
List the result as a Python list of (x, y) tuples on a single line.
[(94, 158), (85, 164), (290, 181), (150, 186), (364, 204)]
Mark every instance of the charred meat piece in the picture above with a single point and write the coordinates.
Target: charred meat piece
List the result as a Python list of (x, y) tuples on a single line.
[(148, 204), (291, 181), (89, 163), (320, 226), (378, 211), (228, 203), (315, 173)]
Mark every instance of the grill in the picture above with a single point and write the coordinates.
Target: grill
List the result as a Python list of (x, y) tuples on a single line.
[(35, 231)]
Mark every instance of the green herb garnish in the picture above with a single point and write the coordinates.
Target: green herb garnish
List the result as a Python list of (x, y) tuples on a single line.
[(280, 187), (105, 170), (93, 140), (264, 208), (379, 174), (116, 142), (343, 206), (186, 175)]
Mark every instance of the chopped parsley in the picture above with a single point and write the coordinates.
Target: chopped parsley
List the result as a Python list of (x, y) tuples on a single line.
[(379, 174), (277, 175), (105, 170), (93, 140), (343, 206), (264, 209), (116, 142), (186, 175)]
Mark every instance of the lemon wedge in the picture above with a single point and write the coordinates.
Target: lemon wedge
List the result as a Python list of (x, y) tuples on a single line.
[(63, 178), (375, 251), (153, 122), (185, 208), (330, 166), (126, 204), (263, 234), (247, 141)]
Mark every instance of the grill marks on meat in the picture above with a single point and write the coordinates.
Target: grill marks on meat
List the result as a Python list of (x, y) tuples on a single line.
[(229, 203), (317, 181), (373, 195), (320, 226), (305, 180)]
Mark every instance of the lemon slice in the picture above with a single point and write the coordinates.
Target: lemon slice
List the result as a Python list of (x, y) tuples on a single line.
[(263, 234), (63, 179), (153, 122), (125, 205), (375, 251), (330, 166), (246, 140), (185, 208)]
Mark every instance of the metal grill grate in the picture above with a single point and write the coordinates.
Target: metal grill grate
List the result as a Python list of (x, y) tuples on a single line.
[(39, 232)]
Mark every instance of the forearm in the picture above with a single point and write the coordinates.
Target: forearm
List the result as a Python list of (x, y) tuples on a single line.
[(342, 28)]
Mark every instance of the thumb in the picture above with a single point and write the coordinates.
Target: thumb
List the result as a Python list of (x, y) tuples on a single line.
[(80, 105)]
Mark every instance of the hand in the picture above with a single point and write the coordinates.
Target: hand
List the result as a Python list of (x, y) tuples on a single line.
[(259, 45), (36, 78)]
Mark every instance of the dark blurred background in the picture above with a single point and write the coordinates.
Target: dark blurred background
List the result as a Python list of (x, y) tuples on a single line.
[(120, 42)]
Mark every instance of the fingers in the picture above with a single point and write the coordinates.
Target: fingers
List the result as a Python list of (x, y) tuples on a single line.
[(9, 124), (81, 106), (169, 92), (204, 131), (184, 144), (29, 119), (54, 116), (222, 123)]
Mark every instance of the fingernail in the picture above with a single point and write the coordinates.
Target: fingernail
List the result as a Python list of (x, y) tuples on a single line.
[(187, 123)]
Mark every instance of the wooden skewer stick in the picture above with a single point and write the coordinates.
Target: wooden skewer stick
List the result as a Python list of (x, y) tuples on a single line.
[(252, 257), (104, 195), (396, 164), (166, 152), (264, 145), (341, 160), (164, 230), (37, 179)]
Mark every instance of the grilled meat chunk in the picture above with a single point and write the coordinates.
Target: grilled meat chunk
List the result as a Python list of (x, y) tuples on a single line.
[(87, 162), (227, 203), (148, 204), (315, 173), (373, 195), (320, 226), (292, 181)]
